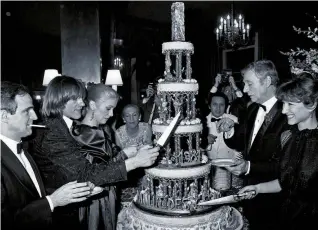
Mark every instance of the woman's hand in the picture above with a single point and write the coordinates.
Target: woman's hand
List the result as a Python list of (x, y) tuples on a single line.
[(249, 188), (131, 151)]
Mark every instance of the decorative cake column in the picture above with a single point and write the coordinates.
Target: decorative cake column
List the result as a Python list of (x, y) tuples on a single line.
[(177, 27), (188, 66), (179, 66)]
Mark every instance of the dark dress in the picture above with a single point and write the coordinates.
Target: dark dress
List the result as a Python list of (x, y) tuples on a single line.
[(299, 180), (97, 147)]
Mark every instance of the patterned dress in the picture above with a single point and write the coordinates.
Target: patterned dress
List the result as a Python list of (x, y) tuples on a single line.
[(143, 137), (299, 180)]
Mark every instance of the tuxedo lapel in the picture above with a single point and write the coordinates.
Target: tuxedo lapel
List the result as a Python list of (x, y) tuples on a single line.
[(36, 173), (269, 119), (10, 161)]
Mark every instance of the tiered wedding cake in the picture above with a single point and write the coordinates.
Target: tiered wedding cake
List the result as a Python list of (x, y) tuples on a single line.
[(170, 192)]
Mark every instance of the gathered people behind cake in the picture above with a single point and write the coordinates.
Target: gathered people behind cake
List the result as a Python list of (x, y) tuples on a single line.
[(61, 158), (221, 178), (298, 175), (256, 137), (133, 133)]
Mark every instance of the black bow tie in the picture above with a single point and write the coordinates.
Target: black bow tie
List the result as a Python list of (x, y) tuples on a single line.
[(262, 106), (19, 147), (215, 119)]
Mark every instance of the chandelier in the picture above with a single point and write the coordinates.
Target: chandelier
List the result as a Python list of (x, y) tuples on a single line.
[(232, 31)]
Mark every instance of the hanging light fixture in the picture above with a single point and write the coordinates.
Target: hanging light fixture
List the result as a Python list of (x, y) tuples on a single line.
[(232, 32)]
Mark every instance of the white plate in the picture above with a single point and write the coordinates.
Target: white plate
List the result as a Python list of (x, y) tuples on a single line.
[(95, 191), (223, 162)]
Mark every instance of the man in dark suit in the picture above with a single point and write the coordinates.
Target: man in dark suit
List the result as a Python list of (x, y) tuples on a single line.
[(258, 137), (24, 203)]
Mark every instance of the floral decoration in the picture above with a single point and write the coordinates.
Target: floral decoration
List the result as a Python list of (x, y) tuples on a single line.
[(302, 60)]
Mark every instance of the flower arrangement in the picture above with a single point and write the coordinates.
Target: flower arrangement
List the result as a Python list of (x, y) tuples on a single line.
[(301, 60)]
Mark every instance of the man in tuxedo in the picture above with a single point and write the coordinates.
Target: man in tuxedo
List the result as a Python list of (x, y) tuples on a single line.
[(24, 203), (258, 137)]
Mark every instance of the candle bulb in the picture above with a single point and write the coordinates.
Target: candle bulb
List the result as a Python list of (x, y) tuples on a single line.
[(228, 20), (225, 26), (243, 34), (240, 21), (248, 30), (217, 34)]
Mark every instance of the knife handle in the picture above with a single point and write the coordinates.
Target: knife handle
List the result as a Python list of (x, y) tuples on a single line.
[(239, 197)]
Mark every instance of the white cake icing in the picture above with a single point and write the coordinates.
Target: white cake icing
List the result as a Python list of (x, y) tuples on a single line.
[(177, 45), (224, 217), (180, 173), (177, 87), (180, 129)]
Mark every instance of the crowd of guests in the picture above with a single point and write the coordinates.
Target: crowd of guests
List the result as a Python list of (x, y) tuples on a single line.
[(68, 174)]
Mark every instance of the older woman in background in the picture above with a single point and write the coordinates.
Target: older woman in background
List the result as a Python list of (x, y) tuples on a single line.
[(298, 177), (133, 133), (62, 159)]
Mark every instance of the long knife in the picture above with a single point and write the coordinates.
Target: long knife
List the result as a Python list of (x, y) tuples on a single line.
[(228, 199), (166, 134)]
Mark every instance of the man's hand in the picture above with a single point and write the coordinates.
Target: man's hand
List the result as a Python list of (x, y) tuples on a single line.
[(218, 80), (71, 192), (224, 125), (211, 139), (130, 151), (240, 168), (150, 91)]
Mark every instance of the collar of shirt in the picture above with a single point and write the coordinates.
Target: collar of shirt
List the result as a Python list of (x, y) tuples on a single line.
[(270, 103), (68, 121), (211, 116), (12, 144)]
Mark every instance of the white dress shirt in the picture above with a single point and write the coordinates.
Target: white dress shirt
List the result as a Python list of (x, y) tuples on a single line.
[(12, 145), (219, 149), (68, 121)]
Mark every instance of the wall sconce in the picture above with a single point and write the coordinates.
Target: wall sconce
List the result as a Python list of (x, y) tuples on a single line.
[(113, 78), (49, 74)]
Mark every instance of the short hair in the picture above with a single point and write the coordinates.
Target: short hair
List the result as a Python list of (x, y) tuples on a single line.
[(303, 88), (59, 91), (219, 94), (9, 91), (262, 69), (130, 106), (95, 92)]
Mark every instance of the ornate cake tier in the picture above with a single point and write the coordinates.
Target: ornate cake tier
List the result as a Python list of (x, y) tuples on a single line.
[(225, 218), (175, 47), (183, 148), (176, 190), (181, 87)]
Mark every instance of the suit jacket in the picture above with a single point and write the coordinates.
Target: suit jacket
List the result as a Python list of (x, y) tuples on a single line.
[(264, 153), (21, 205), (60, 160)]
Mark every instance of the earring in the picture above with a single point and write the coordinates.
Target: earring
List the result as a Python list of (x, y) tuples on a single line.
[(139, 119), (92, 116)]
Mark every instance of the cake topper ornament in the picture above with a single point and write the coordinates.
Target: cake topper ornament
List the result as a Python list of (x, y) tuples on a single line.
[(177, 27)]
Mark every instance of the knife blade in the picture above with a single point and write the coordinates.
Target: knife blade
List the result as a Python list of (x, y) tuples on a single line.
[(166, 134), (228, 199)]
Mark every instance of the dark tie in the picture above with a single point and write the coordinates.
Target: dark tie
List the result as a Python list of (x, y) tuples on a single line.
[(262, 106), (215, 119), (19, 147)]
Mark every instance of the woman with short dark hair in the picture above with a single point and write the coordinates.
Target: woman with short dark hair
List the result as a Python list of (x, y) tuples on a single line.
[(298, 178)]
